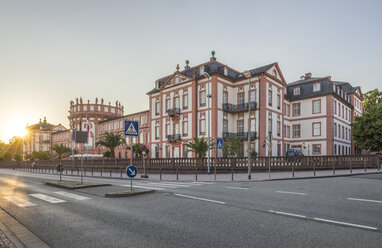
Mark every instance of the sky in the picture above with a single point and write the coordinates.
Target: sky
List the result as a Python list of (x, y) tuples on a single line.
[(54, 51)]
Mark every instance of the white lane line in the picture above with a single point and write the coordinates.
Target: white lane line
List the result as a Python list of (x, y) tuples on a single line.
[(201, 199), (19, 201), (292, 193), (73, 196), (346, 224), (47, 198), (165, 185), (288, 214), (143, 187), (235, 187), (365, 200)]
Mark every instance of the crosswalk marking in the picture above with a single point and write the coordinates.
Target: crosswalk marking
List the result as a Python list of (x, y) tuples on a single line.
[(19, 201), (47, 198), (73, 196)]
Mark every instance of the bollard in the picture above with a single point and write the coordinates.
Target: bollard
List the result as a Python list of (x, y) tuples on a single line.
[(292, 169), (160, 173), (379, 164), (364, 164), (121, 172), (177, 177), (314, 169), (334, 170), (351, 166), (196, 174), (231, 173)]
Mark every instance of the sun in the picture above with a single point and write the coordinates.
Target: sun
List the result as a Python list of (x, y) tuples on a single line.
[(14, 128)]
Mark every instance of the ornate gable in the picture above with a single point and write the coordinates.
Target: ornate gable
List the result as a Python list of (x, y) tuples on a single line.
[(176, 78)]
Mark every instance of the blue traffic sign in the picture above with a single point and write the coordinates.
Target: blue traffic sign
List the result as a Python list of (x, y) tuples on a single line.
[(131, 171), (131, 128), (219, 143)]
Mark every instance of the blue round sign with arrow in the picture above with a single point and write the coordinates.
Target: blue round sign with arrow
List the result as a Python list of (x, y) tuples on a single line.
[(131, 171)]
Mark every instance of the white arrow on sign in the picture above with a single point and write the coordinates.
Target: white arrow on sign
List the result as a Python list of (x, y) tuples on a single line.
[(132, 172)]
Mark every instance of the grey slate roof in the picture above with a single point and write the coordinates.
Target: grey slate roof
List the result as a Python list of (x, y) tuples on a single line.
[(214, 67)]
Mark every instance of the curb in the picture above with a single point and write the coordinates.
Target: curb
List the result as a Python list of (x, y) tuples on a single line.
[(76, 187), (127, 194), (19, 235)]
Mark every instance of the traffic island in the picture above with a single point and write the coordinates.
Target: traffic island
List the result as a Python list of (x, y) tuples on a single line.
[(129, 193), (114, 191), (75, 184)]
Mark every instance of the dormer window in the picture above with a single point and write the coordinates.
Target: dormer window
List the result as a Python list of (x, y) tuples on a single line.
[(316, 87), (157, 84), (201, 70), (225, 71), (296, 91)]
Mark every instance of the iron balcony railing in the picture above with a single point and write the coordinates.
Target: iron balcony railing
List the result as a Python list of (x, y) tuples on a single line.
[(173, 111), (237, 108), (240, 135), (174, 137)]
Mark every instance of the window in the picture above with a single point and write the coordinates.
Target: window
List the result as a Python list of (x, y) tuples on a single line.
[(278, 128), (343, 115), (225, 126), (316, 129), (288, 110), (240, 98), (317, 87), (185, 151), (85, 108), (185, 128), (106, 109), (335, 107), (278, 101), (185, 101), (316, 149), (176, 128), (201, 70), (176, 102), (202, 98), (270, 97), (288, 131), (296, 109), (346, 133), (316, 106), (252, 96), (296, 131), (202, 127), (167, 151), (253, 125), (339, 109), (240, 126), (168, 130), (335, 129), (157, 132), (157, 108), (92, 108), (270, 125), (225, 97), (168, 104), (296, 91), (156, 151)]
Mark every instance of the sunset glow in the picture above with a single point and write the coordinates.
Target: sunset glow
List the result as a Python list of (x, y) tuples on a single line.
[(13, 128)]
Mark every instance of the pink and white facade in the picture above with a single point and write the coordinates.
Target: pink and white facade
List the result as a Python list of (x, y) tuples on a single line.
[(313, 114)]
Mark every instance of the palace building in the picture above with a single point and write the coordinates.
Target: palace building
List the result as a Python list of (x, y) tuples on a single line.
[(213, 100)]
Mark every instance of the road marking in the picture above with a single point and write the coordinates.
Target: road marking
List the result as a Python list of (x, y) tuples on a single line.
[(365, 200), (347, 224), (47, 198), (19, 201), (143, 187), (165, 185), (202, 199), (288, 214), (292, 193), (235, 187), (73, 196)]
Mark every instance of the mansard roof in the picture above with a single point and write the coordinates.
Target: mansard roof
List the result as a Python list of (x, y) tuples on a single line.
[(212, 67)]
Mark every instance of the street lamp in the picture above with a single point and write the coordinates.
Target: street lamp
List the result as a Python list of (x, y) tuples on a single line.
[(73, 135), (208, 120), (248, 75)]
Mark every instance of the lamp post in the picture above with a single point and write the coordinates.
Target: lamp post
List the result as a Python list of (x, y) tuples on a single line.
[(73, 137), (248, 75), (208, 119)]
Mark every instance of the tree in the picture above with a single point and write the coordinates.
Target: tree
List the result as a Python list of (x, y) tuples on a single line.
[(40, 155), (60, 150), (137, 150), (367, 129), (200, 146), (232, 146), (111, 141)]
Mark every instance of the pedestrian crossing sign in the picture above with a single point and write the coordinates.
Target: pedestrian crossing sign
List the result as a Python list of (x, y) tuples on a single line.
[(131, 128)]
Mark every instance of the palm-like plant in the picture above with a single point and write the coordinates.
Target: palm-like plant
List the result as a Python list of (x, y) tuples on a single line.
[(200, 146), (111, 141), (60, 150)]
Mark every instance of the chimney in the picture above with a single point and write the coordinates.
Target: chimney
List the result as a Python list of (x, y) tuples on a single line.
[(308, 75), (44, 119)]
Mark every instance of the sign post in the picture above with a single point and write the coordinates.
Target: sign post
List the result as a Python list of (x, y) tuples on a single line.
[(131, 130), (131, 172), (269, 144), (143, 149), (219, 146)]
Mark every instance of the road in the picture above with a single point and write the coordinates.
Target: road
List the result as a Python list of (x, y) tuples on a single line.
[(325, 212)]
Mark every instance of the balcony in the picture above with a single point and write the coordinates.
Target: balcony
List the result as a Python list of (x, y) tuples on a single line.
[(238, 108), (174, 137), (173, 111), (241, 135)]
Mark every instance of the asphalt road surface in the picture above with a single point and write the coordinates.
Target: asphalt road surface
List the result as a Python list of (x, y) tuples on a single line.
[(326, 212)]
